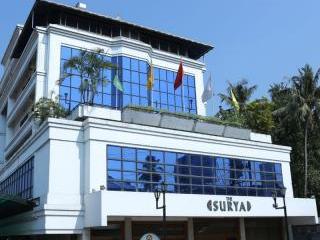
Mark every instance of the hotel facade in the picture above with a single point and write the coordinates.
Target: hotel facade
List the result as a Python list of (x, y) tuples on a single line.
[(91, 175)]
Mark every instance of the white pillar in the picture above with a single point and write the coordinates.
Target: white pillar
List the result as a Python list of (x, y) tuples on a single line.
[(86, 235), (41, 85), (190, 229), (127, 229), (3, 126), (242, 229)]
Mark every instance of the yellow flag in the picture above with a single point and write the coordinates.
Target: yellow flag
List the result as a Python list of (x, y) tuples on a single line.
[(150, 77), (234, 101)]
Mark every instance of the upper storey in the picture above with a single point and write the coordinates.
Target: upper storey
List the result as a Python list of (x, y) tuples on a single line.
[(44, 13)]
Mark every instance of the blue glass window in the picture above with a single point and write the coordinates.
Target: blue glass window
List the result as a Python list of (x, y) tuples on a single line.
[(131, 169), (20, 182), (133, 75)]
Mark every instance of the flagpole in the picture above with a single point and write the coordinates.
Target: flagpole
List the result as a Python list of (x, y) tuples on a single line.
[(182, 90), (152, 74), (116, 88)]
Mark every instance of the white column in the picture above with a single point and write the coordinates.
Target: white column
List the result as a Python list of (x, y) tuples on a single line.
[(242, 229), (85, 235), (127, 229), (190, 229), (41, 85), (3, 126)]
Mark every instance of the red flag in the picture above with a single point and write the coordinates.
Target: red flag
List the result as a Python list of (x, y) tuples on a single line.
[(178, 80)]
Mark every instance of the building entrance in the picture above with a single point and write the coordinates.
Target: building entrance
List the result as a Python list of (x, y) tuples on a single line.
[(175, 230), (216, 229), (114, 231)]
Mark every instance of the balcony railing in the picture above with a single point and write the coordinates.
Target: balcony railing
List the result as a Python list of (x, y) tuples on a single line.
[(25, 93)]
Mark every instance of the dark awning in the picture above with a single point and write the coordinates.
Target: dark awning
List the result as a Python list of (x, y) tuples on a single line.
[(12, 205)]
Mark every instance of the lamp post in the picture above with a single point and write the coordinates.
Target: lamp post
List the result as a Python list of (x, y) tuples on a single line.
[(157, 194), (284, 207)]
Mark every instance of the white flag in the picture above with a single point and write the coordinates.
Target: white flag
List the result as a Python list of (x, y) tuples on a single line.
[(208, 91)]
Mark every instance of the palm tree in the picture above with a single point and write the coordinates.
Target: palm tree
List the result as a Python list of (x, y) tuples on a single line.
[(242, 93), (89, 66), (303, 106)]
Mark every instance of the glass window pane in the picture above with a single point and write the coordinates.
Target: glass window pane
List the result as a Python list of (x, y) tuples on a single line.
[(170, 157), (126, 62), (207, 172), (196, 160), (158, 155), (143, 78), (143, 66), (170, 77), (183, 159), (171, 179), (114, 152), (128, 154), (164, 98), (129, 166), (196, 171), (163, 86), (185, 189), (277, 168), (75, 95), (135, 90), (156, 73), (126, 76), (134, 65), (191, 81), (114, 175), (207, 161), (163, 75), (185, 170), (135, 77), (114, 164), (143, 91), (129, 186), (219, 163), (129, 176), (171, 169), (116, 186), (144, 176), (143, 155), (65, 53)]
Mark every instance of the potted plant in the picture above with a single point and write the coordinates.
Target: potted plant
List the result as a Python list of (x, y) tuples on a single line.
[(46, 108)]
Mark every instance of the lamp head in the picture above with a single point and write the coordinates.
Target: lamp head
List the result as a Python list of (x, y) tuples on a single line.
[(163, 187), (274, 195), (283, 191), (157, 194)]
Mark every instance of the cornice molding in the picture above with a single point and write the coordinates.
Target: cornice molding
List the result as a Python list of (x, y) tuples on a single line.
[(123, 42)]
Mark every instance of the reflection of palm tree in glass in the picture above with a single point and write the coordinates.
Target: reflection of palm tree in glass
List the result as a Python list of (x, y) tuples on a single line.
[(238, 174), (152, 173)]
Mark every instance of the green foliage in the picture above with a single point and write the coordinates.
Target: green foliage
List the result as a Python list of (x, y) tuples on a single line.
[(242, 93), (300, 107), (258, 116), (46, 108), (89, 65)]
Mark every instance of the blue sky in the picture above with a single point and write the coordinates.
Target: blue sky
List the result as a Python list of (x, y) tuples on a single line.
[(263, 41)]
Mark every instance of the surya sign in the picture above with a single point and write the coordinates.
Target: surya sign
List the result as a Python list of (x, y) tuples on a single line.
[(229, 205)]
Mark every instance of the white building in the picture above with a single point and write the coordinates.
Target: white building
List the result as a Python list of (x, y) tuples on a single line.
[(92, 175)]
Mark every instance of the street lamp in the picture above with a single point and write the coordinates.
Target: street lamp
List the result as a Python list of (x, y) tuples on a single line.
[(157, 194), (284, 207)]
